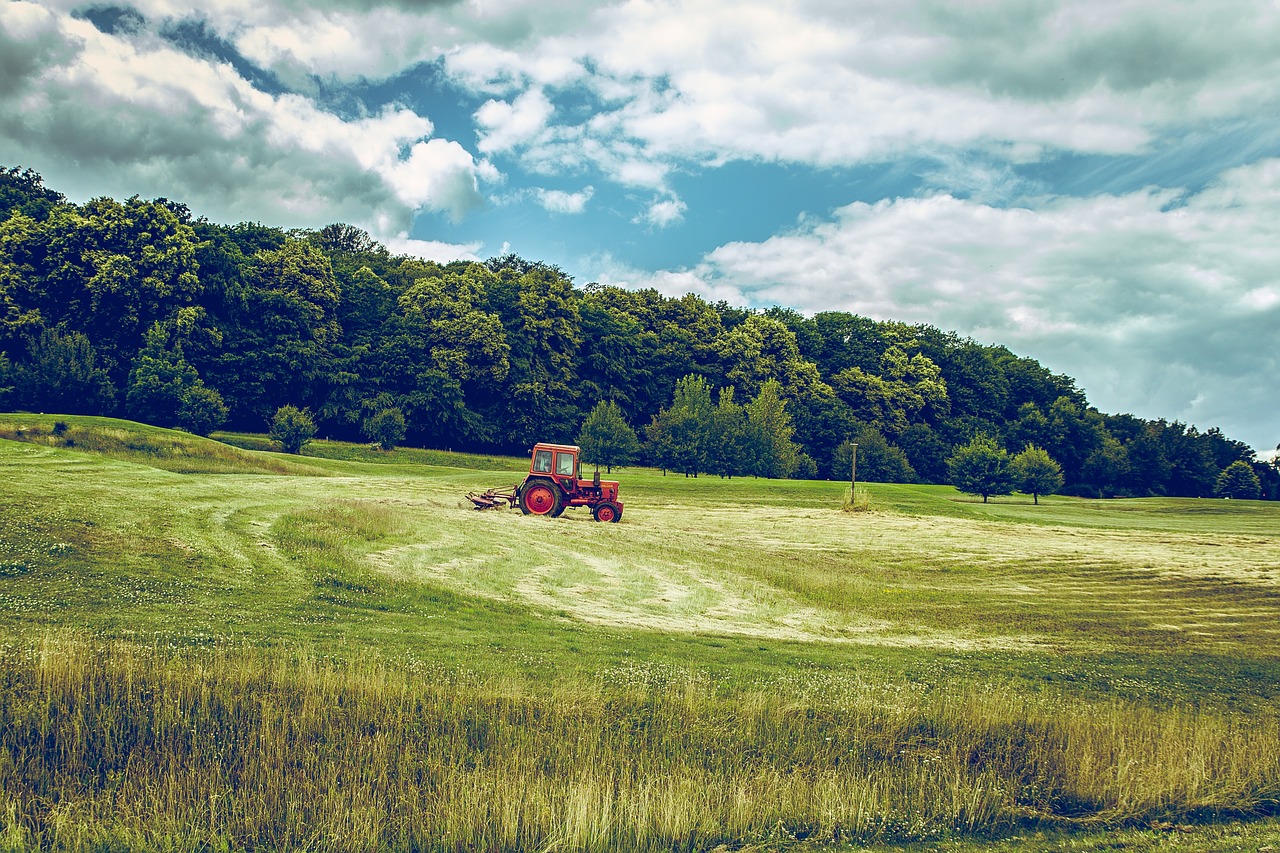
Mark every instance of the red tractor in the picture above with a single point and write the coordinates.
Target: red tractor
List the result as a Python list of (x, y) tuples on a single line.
[(554, 484)]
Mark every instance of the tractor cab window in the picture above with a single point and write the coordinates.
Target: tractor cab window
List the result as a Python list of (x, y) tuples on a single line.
[(564, 465), (542, 462)]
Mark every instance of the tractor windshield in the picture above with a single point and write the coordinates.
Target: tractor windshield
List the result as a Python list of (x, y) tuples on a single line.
[(564, 465)]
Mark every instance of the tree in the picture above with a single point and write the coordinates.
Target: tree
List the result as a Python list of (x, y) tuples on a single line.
[(730, 451), (1035, 472), (105, 269), (926, 452), (878, 460), (341, 237), (292, 428), (202, 410), (1106, 467), (1238, 481), (981, 467), (680, 436), (159, 380), (1030, 427), (61, 374), (537, 306), (1074, 434), (6, 374), (280, 332), (606, 438), (771, 431), (386, 427), (1149, 468), (806, 468)]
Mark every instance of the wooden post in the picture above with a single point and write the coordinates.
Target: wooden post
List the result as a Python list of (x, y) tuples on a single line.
[(853, 474)]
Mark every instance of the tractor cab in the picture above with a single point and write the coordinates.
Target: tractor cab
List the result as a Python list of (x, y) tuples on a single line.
[(558, 461)]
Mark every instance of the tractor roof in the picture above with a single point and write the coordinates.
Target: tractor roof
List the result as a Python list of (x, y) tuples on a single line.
[(542, 445)]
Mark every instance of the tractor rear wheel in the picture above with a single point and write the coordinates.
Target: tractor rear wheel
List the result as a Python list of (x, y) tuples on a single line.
[(541, 497), (607, 511)]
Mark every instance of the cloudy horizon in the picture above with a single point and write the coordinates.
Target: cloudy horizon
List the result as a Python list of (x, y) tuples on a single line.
[(1092, 184)]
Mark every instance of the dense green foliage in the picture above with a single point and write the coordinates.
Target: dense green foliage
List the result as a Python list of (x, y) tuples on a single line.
[(606, 438), (1035, 472), (292, 428), (129, 308), (982, 467), (385, 427)]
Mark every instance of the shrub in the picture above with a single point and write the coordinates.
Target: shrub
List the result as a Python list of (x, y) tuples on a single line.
[(292, 428), (1238, 481), (386, 427), (202, 410), (860, 501)]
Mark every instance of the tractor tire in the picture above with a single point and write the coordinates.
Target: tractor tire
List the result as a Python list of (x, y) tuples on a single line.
[(607, 511), (541, 497)]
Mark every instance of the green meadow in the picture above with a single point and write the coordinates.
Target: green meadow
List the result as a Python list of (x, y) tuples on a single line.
[(205, 645)]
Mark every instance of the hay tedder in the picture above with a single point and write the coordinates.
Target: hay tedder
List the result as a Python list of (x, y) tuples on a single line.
[(553, 485)]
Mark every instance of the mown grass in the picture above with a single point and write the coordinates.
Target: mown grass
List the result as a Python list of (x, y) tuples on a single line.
[(1077, 664), (348, 452), (127, 441)]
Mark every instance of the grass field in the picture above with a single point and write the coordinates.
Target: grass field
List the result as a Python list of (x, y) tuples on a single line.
[(217, 647)]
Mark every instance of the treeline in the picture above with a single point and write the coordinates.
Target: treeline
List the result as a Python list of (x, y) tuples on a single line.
[(138, 309)]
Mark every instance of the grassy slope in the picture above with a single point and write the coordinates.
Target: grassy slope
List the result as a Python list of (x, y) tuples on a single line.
[(746, 578), (741, 583)]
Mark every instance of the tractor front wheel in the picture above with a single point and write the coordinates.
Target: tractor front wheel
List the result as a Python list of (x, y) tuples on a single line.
[(541, 497), (607, 512)]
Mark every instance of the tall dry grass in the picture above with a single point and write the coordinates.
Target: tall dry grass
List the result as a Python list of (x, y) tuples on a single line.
[(115, 747)]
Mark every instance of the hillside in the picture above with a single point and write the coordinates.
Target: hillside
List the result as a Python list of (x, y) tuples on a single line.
[(935, 667)]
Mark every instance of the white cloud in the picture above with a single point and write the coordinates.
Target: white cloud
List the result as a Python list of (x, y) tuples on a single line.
[(432, 250), (100, 114), (664, 212), (807, 81), (559, 201), (838, 84), (438, 174), (504, 126)]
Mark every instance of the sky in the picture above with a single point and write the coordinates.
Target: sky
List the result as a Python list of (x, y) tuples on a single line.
[(1092, 183)]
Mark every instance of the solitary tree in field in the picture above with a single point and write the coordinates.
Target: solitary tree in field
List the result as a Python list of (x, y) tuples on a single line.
[(1239, 481), (292, 428), (981, 467), (1035, 472), (606, 438)]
